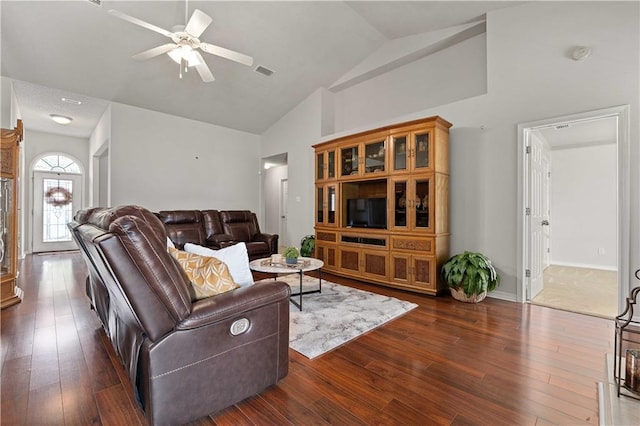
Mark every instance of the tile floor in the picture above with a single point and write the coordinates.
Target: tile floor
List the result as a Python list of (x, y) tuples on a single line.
[(582, 290)]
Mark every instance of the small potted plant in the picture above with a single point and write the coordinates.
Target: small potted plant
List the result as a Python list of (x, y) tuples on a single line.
[(291, 255), (470, 276)]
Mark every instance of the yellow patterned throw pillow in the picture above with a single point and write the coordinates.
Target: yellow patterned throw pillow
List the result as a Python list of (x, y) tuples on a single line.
[(208, 275)]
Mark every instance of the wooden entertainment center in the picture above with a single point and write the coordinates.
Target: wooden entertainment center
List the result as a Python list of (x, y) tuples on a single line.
[(395, 229)]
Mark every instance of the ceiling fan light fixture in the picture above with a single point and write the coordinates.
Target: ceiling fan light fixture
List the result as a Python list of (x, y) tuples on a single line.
[(176, 55), (185, 52), (61, 119)]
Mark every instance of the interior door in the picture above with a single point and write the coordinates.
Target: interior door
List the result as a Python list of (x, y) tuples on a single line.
[(284, 199), (546, 212), (539, 218), (56, 197)]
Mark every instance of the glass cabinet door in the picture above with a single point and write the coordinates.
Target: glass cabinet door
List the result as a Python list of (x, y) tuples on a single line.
[(349, 161), (374, 156), (320, 204), (326, 205), (399, 200), (331, 164), (421, 203), (320, 166), (331, 205), (326, 165), (421, 150), (399, 153), (6, 222), (411, 199)]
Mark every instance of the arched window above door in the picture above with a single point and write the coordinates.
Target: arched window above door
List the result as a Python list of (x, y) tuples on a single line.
[(57, 163)]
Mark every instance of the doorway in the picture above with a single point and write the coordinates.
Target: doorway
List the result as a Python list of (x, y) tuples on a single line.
[(275, 197), (57, 193), (574, 225)]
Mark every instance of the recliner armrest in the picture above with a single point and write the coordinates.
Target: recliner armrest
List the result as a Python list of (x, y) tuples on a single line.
[(270, 239), (220, 240), (214, 309)]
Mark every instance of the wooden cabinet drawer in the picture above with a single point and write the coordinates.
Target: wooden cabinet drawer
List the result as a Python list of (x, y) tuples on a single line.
[(422, 245), (329, 237)]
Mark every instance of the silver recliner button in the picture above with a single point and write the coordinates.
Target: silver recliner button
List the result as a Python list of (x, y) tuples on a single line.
[(239, 326)]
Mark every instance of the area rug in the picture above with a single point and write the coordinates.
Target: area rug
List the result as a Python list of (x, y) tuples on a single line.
[(337, 315)]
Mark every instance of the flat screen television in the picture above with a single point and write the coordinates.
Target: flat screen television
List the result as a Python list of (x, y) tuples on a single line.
[(367, 213)]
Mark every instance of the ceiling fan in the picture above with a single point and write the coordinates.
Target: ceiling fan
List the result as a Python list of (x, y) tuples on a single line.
[(186, 45)]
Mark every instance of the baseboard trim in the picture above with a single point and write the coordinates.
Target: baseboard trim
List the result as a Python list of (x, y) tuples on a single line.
[(502, 295), (585, 265)]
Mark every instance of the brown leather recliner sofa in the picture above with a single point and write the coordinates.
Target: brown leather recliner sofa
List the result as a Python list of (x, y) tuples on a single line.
[(185, 358), (217, 229)]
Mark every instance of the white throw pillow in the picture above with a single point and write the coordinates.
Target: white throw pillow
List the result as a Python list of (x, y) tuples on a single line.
[(235, 256), (170, 243)]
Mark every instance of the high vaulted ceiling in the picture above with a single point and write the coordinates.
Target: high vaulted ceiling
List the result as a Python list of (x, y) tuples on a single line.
[(76, 49)]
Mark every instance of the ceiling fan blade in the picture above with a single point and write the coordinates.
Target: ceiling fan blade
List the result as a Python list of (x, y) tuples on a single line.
[(226, 53), (140, 22), (156, 51), (198, 22), (203, 69)]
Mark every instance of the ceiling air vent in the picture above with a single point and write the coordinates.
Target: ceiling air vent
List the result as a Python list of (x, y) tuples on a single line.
[(263, 70), (562, 126)]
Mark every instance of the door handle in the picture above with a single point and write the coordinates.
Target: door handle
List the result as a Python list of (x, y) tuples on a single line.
[(545, 223)]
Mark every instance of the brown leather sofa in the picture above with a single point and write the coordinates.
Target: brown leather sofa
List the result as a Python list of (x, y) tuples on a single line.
[(218, 229), (185, 358)]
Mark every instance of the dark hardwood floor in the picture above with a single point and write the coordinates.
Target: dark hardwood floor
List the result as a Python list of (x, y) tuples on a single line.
[(446, 362)]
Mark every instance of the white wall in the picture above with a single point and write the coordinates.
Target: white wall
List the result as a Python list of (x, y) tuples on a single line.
[(529, 77), (5, 103), (161, 161), (34, 146), (459, 72), (99, 161), (294, 134), (583, 206)]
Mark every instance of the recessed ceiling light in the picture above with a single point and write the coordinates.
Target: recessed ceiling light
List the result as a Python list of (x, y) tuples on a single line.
[(61, 119), (71, 101)]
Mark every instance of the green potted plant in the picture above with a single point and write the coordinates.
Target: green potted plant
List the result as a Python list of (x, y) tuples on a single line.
[(291, 255), (470, 276), (307, 245)]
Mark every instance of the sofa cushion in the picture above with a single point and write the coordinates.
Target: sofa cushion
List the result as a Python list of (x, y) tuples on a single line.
[(208, 275), (235, 256)]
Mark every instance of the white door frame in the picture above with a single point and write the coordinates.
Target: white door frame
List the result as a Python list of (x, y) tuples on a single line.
[(623, 195)]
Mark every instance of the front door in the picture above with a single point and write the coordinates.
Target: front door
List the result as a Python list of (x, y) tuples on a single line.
[(56, 197)]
